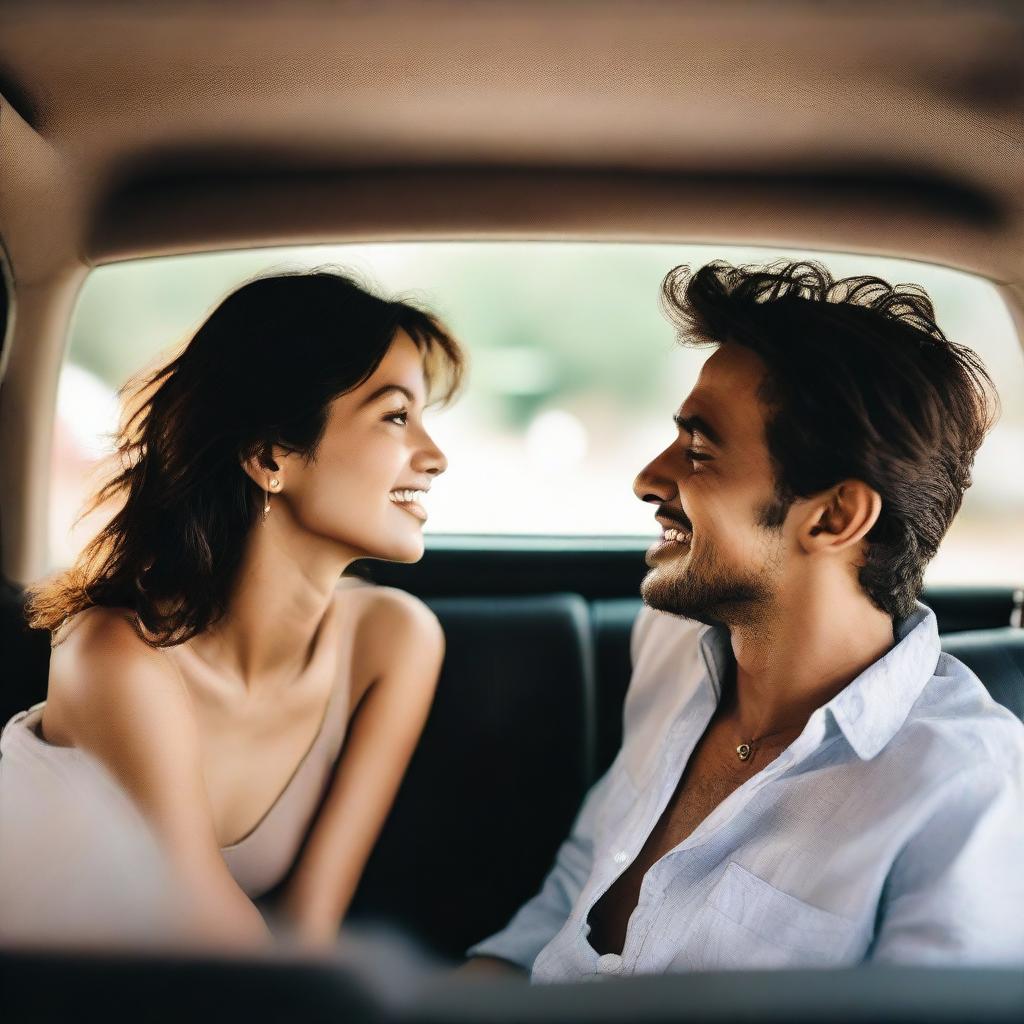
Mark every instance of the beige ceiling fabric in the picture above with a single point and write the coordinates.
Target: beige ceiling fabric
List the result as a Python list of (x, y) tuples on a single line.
[(157, 128)]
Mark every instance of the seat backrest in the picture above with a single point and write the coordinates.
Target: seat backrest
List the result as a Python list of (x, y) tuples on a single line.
[(522, 723), (24, 656), (996, 657), (506, 757)]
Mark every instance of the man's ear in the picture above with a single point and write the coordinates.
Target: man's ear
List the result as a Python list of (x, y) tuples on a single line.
[(262, 467), (839, 518)]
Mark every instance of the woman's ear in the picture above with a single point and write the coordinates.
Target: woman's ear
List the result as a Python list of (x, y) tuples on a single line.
[(263, 469), (839, 518)]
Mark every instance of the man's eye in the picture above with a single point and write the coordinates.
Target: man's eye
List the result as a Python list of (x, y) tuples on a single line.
[(400, 417), (695, 456)]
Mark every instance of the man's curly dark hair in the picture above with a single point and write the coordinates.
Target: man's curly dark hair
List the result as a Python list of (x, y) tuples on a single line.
[(860, 384)]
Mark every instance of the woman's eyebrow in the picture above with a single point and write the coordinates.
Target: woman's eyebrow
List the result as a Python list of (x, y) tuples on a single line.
[(698, 425), (385, 389)]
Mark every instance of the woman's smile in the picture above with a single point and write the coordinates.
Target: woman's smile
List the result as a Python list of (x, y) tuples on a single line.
[(410, 501)]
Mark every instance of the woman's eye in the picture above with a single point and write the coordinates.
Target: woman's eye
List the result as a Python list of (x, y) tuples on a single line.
[(400, 417)]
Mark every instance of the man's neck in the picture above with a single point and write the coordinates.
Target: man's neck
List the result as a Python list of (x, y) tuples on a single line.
[(800, 656)]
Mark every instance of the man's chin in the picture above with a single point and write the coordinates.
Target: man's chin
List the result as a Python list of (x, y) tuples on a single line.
[(669, 594), (663, 594), (673, 608)]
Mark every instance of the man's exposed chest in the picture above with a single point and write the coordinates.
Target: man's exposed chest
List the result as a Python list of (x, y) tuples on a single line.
[(709, 778), (711, 775)]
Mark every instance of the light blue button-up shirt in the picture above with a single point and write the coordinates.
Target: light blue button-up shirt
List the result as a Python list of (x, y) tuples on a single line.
[(890, 830)]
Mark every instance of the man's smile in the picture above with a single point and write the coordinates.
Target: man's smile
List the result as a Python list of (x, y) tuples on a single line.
[(672, 517), (676, 532), (673, 539)]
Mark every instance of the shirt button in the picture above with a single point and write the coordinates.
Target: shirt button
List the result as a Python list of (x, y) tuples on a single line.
[(620, 858), (609, 963)]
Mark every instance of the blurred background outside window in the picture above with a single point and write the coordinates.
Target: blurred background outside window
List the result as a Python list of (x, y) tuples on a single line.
[(574, 376)]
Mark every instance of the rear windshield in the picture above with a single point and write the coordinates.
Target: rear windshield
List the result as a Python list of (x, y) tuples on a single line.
[(574, 376)]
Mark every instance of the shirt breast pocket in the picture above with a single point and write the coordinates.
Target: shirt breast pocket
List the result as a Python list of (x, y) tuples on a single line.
[(747, 923)]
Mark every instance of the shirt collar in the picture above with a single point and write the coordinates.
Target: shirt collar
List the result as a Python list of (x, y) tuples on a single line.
[(871, 709), (873, 706)]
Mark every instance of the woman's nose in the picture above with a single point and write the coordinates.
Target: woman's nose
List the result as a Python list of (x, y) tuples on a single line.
[(434, 459)]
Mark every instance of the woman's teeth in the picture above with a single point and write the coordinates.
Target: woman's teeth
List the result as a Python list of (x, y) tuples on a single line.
[(679, 536), (407, 497)]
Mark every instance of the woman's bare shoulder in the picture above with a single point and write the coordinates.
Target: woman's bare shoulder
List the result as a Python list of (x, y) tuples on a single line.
[(389, 611), (102, 672), (394, 630), (125, 703), (98, 638)]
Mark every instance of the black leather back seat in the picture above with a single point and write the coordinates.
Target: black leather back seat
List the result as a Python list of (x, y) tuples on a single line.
[(506, 757), (24, 655), (527, 715), (464, 844)]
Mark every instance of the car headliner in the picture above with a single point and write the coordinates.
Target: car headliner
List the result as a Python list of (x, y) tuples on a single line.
[(145, 129)]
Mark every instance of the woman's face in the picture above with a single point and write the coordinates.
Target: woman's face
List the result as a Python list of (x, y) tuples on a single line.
[(374, 453)]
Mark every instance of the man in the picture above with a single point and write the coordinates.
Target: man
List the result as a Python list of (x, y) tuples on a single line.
[(805, 779)]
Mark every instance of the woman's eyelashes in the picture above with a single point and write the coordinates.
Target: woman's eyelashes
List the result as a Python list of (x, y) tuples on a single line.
[(401, 417)]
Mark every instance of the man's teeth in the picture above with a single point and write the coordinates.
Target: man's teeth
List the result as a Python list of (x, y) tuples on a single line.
[(407, 497), (682, 536)]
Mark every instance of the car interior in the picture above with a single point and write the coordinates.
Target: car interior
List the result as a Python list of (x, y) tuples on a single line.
[(139, 131)]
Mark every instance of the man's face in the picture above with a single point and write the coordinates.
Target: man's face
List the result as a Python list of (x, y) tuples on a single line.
[(714, 488)]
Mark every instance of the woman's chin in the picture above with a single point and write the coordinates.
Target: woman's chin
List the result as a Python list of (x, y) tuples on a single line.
[(406, 551), (389, 545)]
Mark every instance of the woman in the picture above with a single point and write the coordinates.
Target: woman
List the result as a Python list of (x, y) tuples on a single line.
[(205, 653)]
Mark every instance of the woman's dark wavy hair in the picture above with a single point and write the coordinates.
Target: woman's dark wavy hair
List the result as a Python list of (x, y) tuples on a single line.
[(861, 384), (261, 371)]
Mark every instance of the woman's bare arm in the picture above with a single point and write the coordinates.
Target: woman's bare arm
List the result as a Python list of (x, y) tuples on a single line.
[(123, 702), (401, 647)]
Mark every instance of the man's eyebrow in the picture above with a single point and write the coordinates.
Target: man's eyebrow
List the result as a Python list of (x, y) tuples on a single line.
[(698, 425), (385, 389)]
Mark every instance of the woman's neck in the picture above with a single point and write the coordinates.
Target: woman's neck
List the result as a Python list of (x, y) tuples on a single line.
[(283, 591)]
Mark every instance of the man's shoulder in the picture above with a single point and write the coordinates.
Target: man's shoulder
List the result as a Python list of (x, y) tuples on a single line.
[(956, 721)]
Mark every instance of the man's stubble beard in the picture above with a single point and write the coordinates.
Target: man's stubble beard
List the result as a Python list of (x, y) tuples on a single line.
[(707, 591)]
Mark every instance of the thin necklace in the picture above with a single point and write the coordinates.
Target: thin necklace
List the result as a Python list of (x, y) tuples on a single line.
[(746, 750)]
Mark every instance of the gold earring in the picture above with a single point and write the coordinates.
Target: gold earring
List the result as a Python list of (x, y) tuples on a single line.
[(274, 484)]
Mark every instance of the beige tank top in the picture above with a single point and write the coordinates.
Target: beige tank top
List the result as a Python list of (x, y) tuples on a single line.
[(258, 861)]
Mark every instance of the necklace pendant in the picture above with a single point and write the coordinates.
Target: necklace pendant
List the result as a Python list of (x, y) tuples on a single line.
[(743, 751)]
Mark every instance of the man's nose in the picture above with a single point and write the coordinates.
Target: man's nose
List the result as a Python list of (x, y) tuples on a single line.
[(655, 483)]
